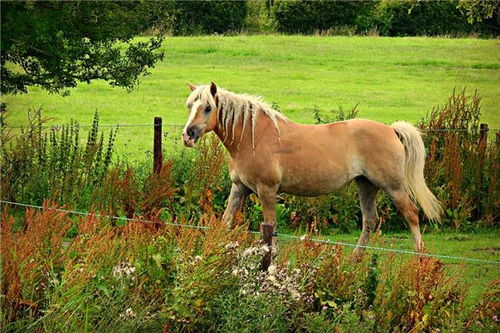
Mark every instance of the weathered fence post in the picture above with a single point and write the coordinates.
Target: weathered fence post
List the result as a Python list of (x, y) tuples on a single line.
[(266, 233), (157, 150), (481, 148), (483, 137)]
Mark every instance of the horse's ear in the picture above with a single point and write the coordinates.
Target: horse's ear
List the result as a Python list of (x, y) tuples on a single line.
[(191, 86), (213, 89)]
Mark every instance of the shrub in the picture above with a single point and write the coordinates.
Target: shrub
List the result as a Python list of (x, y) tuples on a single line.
[(308, 16), (413, 18), (39, 165), (137, 278), (208, 17), (458, 169), (31, 259), (417, 295)]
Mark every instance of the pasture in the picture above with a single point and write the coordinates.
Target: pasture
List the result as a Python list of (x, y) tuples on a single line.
[(391, 79)]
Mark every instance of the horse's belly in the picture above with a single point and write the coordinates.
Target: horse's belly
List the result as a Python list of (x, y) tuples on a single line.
[(312, 184)]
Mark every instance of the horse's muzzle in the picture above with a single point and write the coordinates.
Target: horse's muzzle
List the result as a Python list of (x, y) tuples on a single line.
[(188, 141), (191, 135)]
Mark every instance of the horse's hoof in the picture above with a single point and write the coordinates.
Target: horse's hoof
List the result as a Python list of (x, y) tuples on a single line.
[(356, 255)]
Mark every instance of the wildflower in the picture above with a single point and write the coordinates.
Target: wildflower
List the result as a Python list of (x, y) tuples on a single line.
[(303, 237), (128, 314), (272, 269), (232, 246), (495, 318), (123, 269), (265, 248), (248, 252), (272, 278)]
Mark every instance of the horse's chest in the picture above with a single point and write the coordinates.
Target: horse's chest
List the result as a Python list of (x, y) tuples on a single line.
[(239, 176)]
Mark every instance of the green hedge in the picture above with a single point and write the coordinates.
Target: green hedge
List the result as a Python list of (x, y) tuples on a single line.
[(208, 17), (410, 18), (298, 16), (389, 17)]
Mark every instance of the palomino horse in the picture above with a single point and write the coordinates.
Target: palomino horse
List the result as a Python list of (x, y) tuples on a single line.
[(271, 154)]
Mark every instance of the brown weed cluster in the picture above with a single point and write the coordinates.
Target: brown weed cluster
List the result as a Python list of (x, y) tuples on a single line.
[(59, 272), (460, 168), (123, 192)]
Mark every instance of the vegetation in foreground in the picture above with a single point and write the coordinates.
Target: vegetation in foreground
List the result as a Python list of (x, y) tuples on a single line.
[(151, 277)]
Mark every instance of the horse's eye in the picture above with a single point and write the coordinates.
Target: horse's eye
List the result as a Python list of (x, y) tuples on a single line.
[(208, 109)]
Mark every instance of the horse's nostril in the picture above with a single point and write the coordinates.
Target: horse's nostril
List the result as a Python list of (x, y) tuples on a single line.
[(190, 132)]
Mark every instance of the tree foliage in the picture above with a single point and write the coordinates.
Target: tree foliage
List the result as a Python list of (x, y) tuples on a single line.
[(208, 16), (56, 44), (478, 10)]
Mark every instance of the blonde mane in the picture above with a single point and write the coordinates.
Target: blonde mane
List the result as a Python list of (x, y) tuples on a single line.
[(235, 108)]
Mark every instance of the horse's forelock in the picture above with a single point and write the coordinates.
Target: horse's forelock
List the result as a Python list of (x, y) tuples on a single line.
[(203, 94)]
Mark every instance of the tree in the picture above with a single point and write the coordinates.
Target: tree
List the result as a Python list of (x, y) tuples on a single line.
[(56, 44), (478, 10)]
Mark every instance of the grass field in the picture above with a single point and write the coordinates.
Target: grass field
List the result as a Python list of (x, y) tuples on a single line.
[(391, 79)]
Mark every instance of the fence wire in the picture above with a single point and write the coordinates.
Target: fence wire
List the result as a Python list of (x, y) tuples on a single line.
[(294, 237), (56, 127)]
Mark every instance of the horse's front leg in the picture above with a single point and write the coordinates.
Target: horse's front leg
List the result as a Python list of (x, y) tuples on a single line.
[(267, 196), (235, 202)]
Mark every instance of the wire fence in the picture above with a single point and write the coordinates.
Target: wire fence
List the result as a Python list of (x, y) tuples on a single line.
[(293, 237), (56, 127), (287, 236)]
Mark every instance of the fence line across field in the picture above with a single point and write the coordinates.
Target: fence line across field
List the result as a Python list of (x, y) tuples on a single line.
[(56, 127), (295, 237)]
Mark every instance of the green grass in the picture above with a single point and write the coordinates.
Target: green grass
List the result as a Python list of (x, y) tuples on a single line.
[(391, 79)]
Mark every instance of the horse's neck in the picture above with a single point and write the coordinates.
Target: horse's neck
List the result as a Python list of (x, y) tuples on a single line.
[(234, 141), (226, 135)]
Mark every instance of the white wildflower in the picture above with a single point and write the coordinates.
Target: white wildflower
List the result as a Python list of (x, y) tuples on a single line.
[(248, 252), (128, 314), (123, 269), (272, 278), (272, 269), (232, 246)]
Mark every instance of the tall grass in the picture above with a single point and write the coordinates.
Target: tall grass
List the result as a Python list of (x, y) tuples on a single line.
[(462, 171), (38, 164)]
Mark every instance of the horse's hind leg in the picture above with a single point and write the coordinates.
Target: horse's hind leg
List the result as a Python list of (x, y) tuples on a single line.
[(410, 213), (367, 196)]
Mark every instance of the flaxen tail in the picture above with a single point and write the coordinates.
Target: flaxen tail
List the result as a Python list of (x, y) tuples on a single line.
[(414, 170)]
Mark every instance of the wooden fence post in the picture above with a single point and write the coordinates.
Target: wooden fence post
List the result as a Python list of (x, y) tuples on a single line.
[(157, 150), (266, 234), (481, 147), (483, 137)]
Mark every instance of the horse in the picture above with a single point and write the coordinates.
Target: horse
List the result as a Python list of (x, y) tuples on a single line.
[(270, 154)]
